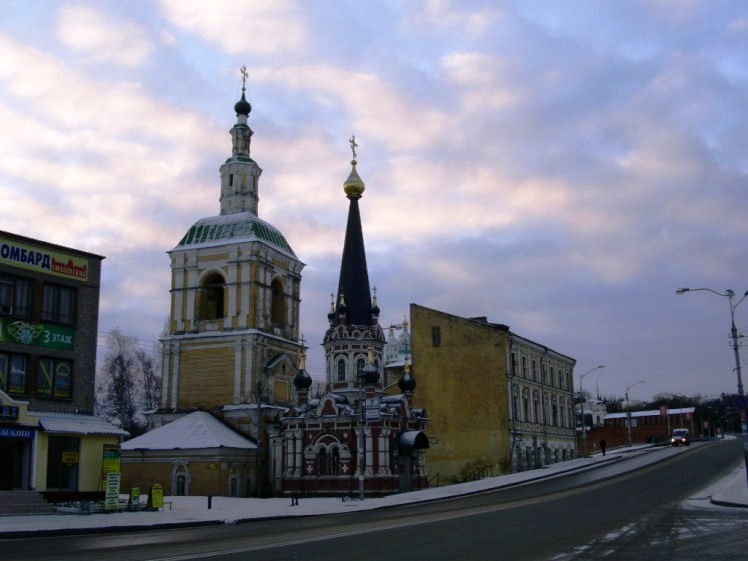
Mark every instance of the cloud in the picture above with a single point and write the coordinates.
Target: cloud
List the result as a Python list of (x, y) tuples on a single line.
[(100, 38), (263, 27)]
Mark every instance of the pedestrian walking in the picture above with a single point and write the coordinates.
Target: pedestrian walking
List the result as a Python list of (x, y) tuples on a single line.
[(602, 445)]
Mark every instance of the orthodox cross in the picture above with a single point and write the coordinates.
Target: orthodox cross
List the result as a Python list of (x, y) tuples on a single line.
[(353, 145), (243, 71)]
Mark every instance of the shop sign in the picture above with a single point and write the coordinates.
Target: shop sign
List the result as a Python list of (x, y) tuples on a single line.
[(17, 432), (35, 258), (111, 501), (37, 335), (70, 457)]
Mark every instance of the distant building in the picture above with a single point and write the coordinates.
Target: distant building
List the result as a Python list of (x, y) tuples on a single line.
[(354, 439), (647, 427), (49, 313), (497, 402)]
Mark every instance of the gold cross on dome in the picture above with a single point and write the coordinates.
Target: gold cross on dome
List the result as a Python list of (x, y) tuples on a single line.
[(243, 71), (353, 145)]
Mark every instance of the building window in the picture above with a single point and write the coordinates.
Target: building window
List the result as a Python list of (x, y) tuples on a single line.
[(13, 373), (514, 364), (15, 296), (436, 336), (553, 376), (341, 370), (62, 475), (524, 367), (335, 463), (555, 415), (534, 370), (360, 363), (526, 404), (58, 304), (322, 462), (54, 378), (515, 407)]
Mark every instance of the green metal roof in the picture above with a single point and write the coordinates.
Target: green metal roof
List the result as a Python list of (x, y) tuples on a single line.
[(234, 227)]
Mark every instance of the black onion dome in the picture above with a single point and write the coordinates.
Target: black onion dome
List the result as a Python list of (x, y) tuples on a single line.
[(242, 107), (370, 374), (406, 383), (302, 380)]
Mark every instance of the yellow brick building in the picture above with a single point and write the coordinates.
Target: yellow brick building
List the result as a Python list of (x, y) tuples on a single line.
[(497, 402)]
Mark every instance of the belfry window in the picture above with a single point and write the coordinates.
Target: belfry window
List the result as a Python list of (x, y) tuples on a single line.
[(278, 305), (212, 297), (341, 370)]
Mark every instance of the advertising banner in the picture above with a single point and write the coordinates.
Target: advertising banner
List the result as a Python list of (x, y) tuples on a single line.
[(37, 334), (34, 258)]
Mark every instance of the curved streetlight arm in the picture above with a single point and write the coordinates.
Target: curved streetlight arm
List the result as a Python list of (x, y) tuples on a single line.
[(730, 294), (634, 384)]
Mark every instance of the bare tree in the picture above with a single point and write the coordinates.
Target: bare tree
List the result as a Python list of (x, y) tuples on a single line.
[(128, 383)]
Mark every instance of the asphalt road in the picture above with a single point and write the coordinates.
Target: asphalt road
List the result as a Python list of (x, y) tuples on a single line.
[(632, 509)]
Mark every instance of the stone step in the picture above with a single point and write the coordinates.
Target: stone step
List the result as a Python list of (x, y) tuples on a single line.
[(24, 502)]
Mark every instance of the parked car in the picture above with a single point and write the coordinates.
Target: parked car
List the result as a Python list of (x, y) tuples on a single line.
[(680, 436)]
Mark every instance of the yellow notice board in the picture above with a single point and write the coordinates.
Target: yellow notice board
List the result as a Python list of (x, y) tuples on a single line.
[(110, 462), (70, 457), (157, 496)]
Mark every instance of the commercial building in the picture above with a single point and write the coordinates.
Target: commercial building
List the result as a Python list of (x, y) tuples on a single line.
[(49, 304)]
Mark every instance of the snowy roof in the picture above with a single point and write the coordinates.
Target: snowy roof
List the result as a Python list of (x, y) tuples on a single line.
[(232, 228), (194, 431), (75, 423), (650, 413)]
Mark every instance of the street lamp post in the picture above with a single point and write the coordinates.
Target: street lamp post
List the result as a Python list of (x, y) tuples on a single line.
[(628, 409), (741, 402), (581, 393)]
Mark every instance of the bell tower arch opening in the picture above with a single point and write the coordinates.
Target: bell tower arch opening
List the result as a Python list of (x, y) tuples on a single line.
[(211, 304), (278, 304)]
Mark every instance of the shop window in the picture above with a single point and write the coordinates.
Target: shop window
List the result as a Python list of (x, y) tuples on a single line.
[(15, 296), (58, 304), (13, 373), (62, 472), (55, 377)]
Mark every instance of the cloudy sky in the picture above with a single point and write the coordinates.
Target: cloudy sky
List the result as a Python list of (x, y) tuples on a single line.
[(557, 166)]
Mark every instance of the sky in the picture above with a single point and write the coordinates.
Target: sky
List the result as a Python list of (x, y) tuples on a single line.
[(558, 167)]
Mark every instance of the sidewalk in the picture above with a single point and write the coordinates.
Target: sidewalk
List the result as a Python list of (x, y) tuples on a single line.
[(193, 511)]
